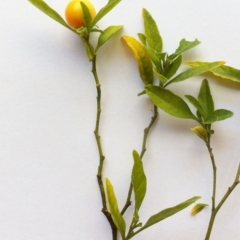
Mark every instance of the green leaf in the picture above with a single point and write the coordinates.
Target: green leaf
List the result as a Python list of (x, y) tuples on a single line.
[(42, 6), (161, 78), (184, 46), (142, 38), (154, 39), (162, 56), (205, 99), (139, 180), (89, 51), (114, 210), (222, 114), (142, 93), (223, 71), (172, 68), (210, 119), (87, 18), (103, 11), (153, 57), (143, 59), (169, 102), (195, 71), (106, 35), (195, 103), (218, 115), (168, 212)]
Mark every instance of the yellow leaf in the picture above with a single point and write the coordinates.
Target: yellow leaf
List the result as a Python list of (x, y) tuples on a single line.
[(114, 210), (200, 132), (223, 71), (198, 208), (143, 59)]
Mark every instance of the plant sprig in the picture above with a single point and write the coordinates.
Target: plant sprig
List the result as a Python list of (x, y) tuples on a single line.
[(104, 35), (150, 58), (153, 63)]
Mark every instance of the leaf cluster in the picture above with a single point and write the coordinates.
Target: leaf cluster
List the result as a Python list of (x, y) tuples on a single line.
[(90, 24), (151, 58), (148, 52), (153, 63)]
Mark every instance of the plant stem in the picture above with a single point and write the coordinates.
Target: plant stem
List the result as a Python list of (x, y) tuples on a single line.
[(214, 168), (215, 208), (144, 149), (100, 151)]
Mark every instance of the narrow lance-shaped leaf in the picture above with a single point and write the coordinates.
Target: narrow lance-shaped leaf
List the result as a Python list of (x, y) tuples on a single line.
[(172, 68), (143, 59), (195, 103), (107, 34), (154, 39), (89, 51), (41, 5), (87, 18), (142, 38), (205, 99), (169, 102), (167, 213), (114, 210), (161, 78), (156, 61), (139, 180), (195, 71), (184, 46), (162, 56), (102, 12), (223, 71)]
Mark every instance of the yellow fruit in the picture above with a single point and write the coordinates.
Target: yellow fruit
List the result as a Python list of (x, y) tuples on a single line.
[(74, 13)]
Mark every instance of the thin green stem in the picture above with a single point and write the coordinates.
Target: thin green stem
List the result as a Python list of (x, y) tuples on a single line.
[(215, 208), (225, 197), (100, 151), (214, 168), (144, 149), (229, 191)]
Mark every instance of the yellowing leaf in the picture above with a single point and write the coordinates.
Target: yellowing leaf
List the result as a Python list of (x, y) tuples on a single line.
[(198, 208), (114, 210), (195, 71), (143, 59), (223, 71), (200, 132)]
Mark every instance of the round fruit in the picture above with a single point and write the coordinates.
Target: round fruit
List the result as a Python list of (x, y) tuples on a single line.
[(74, 13)]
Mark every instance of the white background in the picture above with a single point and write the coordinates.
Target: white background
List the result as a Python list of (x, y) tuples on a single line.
[(48, 155)]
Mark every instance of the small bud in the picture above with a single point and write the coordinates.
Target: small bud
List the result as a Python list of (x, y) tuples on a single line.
[(198, 208), (200, 132)]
